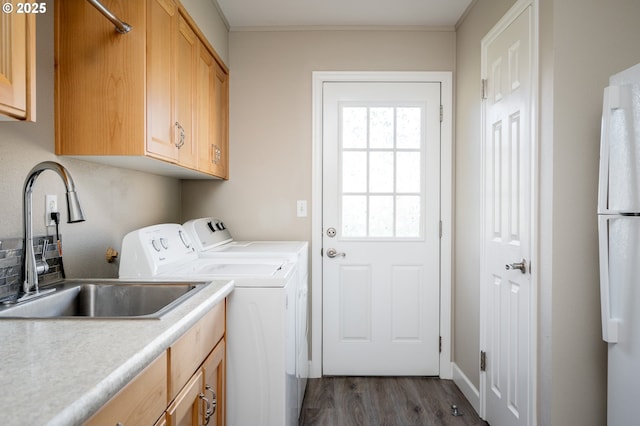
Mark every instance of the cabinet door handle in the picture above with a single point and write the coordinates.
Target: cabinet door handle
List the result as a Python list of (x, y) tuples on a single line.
[(181, 137), (214, 399), (214, 404), (207, 408), (217, 154)]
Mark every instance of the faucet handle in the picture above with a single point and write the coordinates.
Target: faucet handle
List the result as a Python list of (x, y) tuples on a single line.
[(42, 267)]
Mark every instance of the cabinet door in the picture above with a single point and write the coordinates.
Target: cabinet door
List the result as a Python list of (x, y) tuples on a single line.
[(212, 115), (187, 409), (186, 59), (205, 101), (17, 64), (215, 382), (221, 123), (161, 127)]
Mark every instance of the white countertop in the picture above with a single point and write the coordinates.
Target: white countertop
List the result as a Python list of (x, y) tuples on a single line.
[(60, 372)]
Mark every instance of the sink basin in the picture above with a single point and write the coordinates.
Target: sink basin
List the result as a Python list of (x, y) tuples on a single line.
[(102, 300)]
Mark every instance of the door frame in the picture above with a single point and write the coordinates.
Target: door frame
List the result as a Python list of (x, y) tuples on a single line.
[(534, 263), (445, 78)]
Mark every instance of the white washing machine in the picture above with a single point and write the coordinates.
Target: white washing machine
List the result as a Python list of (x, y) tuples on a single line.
[(261, 328), (212, 239)]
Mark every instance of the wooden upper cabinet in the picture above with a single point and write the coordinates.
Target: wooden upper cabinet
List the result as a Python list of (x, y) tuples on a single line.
[(17, 64), (212, 100), (133, 99)]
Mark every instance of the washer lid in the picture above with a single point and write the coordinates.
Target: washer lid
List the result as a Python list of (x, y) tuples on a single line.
[(271, 248), (250, 275), (232, 270)]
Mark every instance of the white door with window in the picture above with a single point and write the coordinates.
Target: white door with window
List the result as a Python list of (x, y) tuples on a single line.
[(507, 339), (381, 226)]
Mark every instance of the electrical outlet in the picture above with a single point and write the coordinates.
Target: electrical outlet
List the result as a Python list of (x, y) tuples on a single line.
[(50, 206)]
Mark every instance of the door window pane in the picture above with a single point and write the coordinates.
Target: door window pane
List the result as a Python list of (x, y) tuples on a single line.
[(381, 127), (409, 127), (354, 127), (381, 216), (408, 216), (354, 216), (354, 171), (381, 172), (408, 172)]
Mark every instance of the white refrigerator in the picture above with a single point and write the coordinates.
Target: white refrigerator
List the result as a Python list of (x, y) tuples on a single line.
[(619, 241)]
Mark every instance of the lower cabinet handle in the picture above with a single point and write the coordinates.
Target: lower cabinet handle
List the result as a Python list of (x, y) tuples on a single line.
[(206, 414), (214, 400)]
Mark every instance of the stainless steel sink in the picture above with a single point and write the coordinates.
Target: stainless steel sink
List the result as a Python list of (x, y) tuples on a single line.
[(104, 299)]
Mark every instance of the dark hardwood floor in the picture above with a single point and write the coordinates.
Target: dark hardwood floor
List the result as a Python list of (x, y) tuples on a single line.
[(384, 401)]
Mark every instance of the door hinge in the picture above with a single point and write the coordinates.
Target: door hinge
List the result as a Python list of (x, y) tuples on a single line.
[(483, 361), (441, 113), (322, 252), (440, 229), (485, 95), (440, 344)]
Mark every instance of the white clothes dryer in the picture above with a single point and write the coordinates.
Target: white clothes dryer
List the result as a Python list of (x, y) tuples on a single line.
[(261, 349), (212, 239)]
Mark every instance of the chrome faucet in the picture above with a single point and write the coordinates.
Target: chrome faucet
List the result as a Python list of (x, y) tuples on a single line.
[(74, 214)]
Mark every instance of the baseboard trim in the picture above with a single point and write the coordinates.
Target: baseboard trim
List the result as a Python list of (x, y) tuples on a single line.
[(468, 389)]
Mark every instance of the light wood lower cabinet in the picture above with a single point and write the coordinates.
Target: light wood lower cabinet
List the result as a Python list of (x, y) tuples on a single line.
[(184, 386), (201, 400)]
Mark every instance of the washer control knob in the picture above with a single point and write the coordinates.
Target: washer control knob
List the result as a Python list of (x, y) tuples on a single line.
[(184, 239), (164, 243), (155, 245)]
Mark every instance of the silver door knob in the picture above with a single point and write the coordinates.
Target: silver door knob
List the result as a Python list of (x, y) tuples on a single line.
[(522, 266), (334, 253)]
